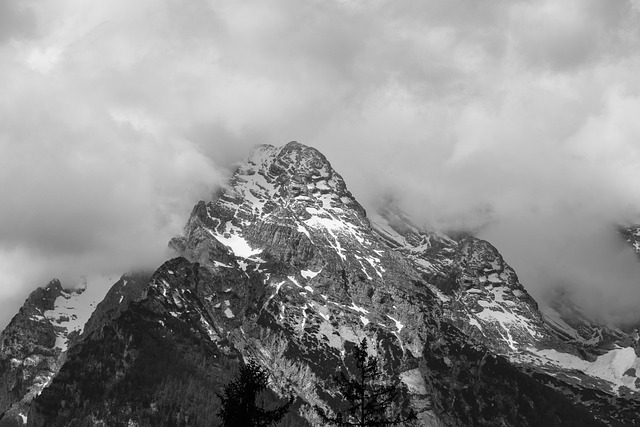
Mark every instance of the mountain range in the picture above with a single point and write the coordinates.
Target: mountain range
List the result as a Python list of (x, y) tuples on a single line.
[(285, 267)]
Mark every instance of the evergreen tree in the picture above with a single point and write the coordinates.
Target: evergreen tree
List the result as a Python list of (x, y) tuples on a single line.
[(372, 398), (239, 406)]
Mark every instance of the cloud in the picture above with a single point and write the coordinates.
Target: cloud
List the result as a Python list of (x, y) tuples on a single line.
[(518, 117), (16, 21), (570, 34)]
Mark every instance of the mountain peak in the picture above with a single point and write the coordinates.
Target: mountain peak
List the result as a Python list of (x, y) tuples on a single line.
[(288, 172), (292, 186), (54, 284), (293, 152)]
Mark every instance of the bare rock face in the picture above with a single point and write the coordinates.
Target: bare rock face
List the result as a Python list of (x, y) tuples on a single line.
[(632, 235), (481, 295), (497, 309), (286, 268), (129, 288)]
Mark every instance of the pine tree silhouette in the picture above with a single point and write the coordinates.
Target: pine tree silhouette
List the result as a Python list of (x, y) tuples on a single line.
[(239, 406), (372, 398)]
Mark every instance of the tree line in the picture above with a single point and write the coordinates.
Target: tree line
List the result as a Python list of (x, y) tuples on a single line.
[(371, 397)]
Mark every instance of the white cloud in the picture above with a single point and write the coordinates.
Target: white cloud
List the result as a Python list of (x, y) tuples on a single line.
[(117, 117)]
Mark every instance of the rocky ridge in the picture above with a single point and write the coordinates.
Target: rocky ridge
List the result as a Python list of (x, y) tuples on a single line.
[(481, 295), (33, 345)]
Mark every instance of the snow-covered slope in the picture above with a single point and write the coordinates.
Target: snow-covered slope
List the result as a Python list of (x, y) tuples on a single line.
[(73, 307), (480, 292), (482, 296), (33, 345)]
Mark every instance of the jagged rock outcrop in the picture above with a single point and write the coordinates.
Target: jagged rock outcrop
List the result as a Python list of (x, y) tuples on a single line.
[(481, 296), (631, 234), (32, 347)]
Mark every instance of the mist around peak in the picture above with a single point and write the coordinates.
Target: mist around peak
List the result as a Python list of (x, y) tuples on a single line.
[(512, 119)]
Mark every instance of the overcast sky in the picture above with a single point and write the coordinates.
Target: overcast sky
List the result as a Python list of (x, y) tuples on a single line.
[(515, 118)]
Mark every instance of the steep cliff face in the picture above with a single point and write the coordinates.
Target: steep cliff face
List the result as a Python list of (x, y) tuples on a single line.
[(153, 363), (33, 345), (28, 353), (481, 295), (129, 288), (286, 268)]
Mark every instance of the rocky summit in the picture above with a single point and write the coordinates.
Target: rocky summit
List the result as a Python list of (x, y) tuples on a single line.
[(286, 268)]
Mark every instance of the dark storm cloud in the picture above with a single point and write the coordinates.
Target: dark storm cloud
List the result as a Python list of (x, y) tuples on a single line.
[(515, 118)]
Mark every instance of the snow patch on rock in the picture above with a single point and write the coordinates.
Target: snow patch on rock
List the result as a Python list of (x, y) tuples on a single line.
[(611, 367)]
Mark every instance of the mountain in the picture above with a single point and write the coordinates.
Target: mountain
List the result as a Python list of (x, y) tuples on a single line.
[(285, 267), (33, 346)]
